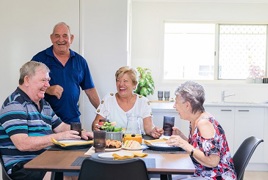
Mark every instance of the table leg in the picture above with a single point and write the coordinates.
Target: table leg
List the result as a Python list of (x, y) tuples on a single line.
[(57, 176), (165, 176)]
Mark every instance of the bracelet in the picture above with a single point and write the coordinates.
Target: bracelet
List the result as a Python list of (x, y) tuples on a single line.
[(192, 153)]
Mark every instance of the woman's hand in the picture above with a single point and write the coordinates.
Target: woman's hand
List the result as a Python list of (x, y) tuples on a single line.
[(176, 131), (176, 140), (96, 127), (156, 132)]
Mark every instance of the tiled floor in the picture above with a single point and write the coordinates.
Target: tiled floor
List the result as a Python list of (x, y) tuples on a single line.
[(256, 175)]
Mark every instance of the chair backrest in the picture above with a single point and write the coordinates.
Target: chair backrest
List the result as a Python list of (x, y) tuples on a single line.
[(243, 155), (5, 176), (98, 169)]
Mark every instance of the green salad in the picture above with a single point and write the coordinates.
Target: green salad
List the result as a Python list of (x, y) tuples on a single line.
[(110, 127)]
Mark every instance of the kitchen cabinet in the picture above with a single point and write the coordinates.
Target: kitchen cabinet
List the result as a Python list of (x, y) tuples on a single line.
[(240, 123)]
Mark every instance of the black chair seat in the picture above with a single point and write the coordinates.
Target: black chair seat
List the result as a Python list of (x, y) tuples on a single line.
[(97, 169)]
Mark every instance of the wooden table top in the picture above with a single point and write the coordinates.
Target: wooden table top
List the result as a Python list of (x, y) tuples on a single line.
[(61, 160)]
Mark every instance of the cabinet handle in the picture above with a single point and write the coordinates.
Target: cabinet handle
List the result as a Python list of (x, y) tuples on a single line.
[(243, 110), (229, 110)]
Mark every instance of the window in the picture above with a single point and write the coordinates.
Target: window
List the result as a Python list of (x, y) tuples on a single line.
[(190, 51)]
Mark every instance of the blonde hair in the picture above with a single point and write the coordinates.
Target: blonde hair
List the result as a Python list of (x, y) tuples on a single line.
[(127, 70)]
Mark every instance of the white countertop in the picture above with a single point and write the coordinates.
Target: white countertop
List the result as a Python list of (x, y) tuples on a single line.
[(169, 105)]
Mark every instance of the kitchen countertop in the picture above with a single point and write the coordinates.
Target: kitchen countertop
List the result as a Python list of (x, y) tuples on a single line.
[(166, 105)]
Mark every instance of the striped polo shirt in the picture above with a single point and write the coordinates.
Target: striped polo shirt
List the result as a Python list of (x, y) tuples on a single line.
[(19, 114)]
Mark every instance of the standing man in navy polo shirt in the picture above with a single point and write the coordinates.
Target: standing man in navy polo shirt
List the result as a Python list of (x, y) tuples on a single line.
[(68, 71)]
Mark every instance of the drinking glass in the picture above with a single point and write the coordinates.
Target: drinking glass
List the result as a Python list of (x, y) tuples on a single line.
[(168, 124), (160, 95), (99, 141), (76, 126), (167, 95)]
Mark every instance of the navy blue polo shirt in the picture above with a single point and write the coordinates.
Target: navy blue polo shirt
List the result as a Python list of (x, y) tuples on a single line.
[(71, 77)]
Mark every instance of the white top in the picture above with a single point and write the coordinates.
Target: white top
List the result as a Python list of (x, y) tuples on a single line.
[(110, 109)]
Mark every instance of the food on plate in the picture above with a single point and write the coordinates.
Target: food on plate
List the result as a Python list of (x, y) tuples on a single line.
[(110, 143), (109, 126), (132, 144), (135, 137)]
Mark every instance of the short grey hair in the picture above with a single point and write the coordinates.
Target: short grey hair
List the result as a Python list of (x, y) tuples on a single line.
[(59, 24), (194, 93), (29, 69)]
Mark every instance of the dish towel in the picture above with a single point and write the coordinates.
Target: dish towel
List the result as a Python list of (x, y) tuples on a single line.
[(62, 144), (134, 154)]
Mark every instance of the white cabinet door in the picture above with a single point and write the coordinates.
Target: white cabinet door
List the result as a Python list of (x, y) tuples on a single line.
[(249, 121), (226, 117)]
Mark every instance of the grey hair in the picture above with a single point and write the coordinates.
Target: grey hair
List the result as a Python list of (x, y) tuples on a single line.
[(29, 69), (194, 93), (61, 23)]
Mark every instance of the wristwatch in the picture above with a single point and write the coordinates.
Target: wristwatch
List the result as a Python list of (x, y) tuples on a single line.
[(192, 153)]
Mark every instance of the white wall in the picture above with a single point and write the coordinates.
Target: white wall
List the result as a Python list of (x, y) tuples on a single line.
[(25, 27), (99, 27), (147, 39), (104, 45)]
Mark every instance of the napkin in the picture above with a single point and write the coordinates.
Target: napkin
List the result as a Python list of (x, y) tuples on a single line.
[(133, 154), (74, 143), (150, 142), (90, 151)]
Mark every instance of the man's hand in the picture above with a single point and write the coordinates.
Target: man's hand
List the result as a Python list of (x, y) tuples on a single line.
[(55, 90)]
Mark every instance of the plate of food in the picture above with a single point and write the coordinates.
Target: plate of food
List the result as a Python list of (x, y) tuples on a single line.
[(109, 155), (161, 145), (132, 145), (111, 143), (112, 149)]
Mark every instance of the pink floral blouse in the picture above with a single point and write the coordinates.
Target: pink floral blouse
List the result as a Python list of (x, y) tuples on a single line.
[(217, 145)]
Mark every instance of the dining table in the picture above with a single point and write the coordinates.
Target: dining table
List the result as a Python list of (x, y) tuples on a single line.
[(58, 160)]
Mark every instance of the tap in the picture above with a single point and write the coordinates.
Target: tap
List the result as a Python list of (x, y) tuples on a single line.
[(223, 95)]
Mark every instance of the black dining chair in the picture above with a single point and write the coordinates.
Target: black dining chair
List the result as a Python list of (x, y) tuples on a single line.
[(243, 155), (103, 169), (5, 176)]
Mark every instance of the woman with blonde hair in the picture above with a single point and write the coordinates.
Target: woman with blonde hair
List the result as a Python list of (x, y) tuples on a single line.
[(116, 106)]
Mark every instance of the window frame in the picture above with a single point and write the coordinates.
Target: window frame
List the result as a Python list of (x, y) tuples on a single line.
[(216, 54)]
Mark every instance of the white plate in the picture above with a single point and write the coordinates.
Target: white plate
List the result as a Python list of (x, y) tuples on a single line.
[(109, 155), (160, 144), (131, 149), (112, 149)]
